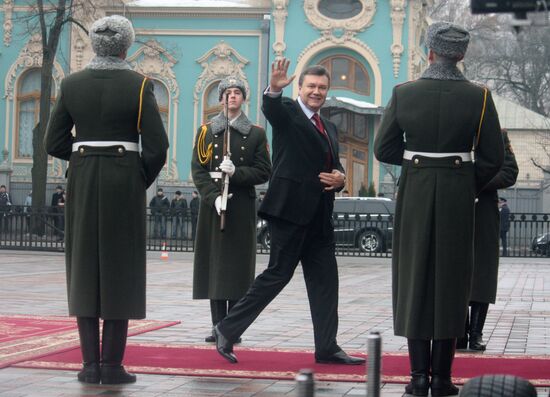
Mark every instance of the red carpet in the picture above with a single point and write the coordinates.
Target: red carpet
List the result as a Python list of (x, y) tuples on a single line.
[(25, 337), (284, 364)]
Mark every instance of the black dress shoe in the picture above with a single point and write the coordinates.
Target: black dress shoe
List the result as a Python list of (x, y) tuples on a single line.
[(224, 347), (340, 357)]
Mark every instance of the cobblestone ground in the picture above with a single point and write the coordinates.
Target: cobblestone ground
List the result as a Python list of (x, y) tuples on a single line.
[(34, 283)]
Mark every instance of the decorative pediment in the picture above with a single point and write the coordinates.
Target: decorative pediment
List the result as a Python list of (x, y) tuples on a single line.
[(153, 60), (29, 57), (220, 61)]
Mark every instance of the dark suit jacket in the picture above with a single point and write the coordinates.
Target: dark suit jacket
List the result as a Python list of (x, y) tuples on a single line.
[(299, 156)]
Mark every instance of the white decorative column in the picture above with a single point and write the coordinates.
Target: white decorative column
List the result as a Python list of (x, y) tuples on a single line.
[(397, 19), (8, 24), (280, 13)]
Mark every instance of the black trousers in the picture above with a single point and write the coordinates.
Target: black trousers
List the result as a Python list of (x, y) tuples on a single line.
[(504, 241), (313, 246)]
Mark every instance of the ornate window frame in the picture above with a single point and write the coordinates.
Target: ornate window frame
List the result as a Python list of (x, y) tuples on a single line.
[(353, 25), (352, 62)]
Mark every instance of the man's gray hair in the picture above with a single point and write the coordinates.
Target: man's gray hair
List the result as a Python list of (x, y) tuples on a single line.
[(112, 35)]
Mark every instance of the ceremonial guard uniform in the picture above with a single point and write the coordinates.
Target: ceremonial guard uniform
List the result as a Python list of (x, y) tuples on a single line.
[(224, 262), (110, 107), (429, 128), (486, 249)]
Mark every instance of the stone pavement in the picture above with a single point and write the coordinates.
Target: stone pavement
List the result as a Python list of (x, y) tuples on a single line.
[(34, 283)]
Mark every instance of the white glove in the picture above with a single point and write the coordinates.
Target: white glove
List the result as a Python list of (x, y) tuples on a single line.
[(218, 204), (228, 167)]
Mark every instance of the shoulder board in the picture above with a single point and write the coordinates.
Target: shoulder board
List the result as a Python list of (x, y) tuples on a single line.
[(257, 126), (206, 124), (480, 85), (404, 83)]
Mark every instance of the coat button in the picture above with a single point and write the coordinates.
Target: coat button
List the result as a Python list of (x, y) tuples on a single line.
[(457, 162), (242, 159), (476, 200), (416, 161), (216, 180), (215, 145), (217, 168), (244, 137), (216, 156), (120, 150), (242, 147), (81, 150)]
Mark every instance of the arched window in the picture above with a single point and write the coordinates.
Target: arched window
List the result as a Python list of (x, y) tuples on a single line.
[(28, 111), (211, 104), (346, 73), (163, 101)]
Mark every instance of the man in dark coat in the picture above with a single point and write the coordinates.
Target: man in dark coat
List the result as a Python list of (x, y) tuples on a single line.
[(5, 208), (57, 208), (486, 250), (160, 207), (110, 106), (298, 206), (178, 208), (504, 224), (225, 261), (428, 128)]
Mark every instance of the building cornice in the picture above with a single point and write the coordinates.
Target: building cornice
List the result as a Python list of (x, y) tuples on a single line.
[(194, 12)]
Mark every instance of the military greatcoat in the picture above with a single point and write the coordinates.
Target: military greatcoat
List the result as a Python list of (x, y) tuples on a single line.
[(434, 222), (105, 207), (224, 262), (487, 230)]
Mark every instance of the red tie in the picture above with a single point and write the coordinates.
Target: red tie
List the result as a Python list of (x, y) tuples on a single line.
[(319, 124)]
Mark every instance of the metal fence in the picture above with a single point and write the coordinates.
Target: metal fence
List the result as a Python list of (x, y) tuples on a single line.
[(355, 234)]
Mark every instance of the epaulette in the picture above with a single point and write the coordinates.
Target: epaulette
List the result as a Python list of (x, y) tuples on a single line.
[(206, 124), (405, 82)]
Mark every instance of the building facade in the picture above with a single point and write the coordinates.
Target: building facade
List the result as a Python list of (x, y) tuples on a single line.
[(188, 46)]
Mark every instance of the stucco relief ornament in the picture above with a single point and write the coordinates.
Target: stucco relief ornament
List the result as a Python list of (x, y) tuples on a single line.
[(8, 24), (340, 29), (152, 59), (219, 62)]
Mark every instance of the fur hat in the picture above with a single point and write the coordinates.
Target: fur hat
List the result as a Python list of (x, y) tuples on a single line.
[(231, 82), (111, 35), (447, 40)]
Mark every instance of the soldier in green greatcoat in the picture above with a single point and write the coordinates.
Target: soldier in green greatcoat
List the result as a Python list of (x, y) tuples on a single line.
[(429, 128), (111, 108), (225, 262), (486, 250)]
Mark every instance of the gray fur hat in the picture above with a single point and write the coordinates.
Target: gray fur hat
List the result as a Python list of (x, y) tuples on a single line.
[(111, 35), (447, 40), (231, 82)]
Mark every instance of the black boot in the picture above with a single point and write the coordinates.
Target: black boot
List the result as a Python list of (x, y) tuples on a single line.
[(462, 342), (218, 310), (419, 356), (115, 333), (88, 330), (443, 352), (479, 314)]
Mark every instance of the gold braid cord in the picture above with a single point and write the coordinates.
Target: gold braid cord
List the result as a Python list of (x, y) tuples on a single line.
[(204, 153)]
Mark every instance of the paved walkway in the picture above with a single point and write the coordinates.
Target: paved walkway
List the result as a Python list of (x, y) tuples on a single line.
[(34, 283)]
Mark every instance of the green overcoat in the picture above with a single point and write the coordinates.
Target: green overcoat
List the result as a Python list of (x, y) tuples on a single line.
[(487, 230), (224, 262), (105, 207), (432, 254)]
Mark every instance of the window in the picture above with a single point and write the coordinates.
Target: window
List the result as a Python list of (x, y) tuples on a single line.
[(28, 111), (349, 124), (346, 73), (340, 9), (211, 104), (163, 101)]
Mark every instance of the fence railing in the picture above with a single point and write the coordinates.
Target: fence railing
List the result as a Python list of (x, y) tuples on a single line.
[(355, 234)]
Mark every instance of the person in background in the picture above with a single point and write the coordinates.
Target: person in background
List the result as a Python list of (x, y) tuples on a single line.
[(160, 207), (225, 261), (504, 224), (178, 207), (194, 212), (486, 250)]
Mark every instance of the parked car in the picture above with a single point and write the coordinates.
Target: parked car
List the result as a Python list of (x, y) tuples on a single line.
[(541, 244), (364, 223)]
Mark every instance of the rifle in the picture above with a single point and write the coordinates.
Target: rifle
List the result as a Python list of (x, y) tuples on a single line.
[(226, 155)]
